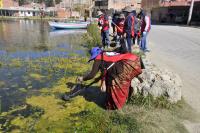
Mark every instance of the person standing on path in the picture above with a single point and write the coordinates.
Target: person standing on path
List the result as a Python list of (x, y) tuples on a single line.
[(129, 26), (114, 20), (145, 28), (103, 23), (136, 38), (119, 28)]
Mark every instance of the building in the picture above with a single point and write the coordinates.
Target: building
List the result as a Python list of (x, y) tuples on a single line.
[(171, 11), (65, 9), (115, 4), (12, 8)]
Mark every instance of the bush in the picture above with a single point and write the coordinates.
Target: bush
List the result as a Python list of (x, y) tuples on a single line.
[(93, 36)]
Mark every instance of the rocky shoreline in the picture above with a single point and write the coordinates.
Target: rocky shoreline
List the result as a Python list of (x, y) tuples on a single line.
[(158, 82)]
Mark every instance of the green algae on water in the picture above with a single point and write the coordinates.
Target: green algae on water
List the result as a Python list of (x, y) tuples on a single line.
[(36, 76), (2, 83)]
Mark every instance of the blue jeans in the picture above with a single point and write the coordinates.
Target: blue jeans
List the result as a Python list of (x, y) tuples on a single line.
[(134, 40), (143, 45), (129, 43), (105, 38)]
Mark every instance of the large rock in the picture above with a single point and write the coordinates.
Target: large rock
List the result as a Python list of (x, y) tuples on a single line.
[(158, 82)]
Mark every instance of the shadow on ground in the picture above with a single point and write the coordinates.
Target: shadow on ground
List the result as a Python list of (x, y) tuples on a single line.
[(91, 94)]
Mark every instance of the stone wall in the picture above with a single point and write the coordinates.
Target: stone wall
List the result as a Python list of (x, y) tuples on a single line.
[(158, 82)]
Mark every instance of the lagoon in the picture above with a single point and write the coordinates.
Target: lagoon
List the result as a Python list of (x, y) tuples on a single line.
[(23, 46)]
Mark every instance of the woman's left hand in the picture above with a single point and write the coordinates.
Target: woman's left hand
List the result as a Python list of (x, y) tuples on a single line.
[(79, 79)]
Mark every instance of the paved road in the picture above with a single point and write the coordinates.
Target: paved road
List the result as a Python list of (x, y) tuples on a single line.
[(178, 49)]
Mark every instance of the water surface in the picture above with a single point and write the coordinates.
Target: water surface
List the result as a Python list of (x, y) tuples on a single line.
[(22, 44)]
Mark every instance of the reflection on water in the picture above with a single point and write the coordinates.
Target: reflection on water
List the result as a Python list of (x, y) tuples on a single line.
[(22, 44), (33, 36), (66, 32)]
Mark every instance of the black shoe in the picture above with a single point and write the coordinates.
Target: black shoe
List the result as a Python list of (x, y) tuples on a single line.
[(66, 97)]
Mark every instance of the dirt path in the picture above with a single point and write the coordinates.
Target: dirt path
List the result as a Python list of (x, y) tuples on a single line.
[(178, 49)]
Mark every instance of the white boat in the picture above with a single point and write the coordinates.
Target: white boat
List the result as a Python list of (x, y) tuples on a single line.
[(69, 25)]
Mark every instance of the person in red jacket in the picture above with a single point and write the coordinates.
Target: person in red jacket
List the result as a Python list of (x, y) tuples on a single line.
[(119, 28), (103, 23), (118, 71)]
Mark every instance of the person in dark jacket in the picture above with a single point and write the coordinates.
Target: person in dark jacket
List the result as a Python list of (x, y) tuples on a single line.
[(129, 26), (114, 20), (136, 28)]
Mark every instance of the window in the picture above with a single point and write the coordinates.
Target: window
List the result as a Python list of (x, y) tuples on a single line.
[(101, 3)]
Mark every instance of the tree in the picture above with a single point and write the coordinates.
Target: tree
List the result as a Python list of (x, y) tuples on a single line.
[(21, 2), (58, 1), (38, 1), (49, 3)]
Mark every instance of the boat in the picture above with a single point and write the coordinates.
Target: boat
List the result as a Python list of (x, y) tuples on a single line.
[(69, 25)]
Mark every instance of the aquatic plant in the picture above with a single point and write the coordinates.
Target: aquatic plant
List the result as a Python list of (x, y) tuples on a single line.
[(36, 76), (2, 84), (44, 111)]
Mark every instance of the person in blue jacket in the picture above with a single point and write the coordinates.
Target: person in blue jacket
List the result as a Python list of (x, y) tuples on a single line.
[(129, 26)]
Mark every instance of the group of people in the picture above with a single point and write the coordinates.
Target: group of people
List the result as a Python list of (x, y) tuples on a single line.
[(119, 66), (127, 25)]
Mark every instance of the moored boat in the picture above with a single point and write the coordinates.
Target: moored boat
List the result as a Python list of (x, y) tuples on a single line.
[(69, 25)]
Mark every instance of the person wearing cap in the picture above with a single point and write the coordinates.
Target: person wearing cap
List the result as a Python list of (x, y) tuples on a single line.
[(119, 28), (117, 71), (129, 26), (136, 28), (145, 28), (103, 23), (114, 21)]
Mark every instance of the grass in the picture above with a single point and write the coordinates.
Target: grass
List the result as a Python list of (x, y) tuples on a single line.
[(44, 111), (92, 38), (48, 113)]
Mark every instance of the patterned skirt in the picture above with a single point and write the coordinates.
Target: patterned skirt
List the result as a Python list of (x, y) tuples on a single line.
[(118, 88)]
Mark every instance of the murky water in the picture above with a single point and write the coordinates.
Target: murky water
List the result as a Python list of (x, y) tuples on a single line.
[(22, 43)]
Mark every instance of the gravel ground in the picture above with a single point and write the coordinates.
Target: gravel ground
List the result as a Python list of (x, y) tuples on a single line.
[(178, 49)]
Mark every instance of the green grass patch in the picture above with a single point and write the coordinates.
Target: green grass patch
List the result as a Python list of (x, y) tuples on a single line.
[(45, 112), (93, 36)]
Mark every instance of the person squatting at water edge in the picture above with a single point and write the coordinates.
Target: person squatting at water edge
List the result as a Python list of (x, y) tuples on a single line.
[(117, 71), (145, 28), (129, 26), (103, 23)]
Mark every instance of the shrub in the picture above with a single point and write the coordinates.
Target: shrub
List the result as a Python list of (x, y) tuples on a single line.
[(93, 36)]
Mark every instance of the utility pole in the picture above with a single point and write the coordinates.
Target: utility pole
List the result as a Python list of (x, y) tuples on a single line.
[(190, 13)]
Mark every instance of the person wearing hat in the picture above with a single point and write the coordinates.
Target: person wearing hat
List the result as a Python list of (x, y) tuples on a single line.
[(129, 26), (103, 23), (119, 28), (117, 71), (115, 18), (136, 28), (145, 28)]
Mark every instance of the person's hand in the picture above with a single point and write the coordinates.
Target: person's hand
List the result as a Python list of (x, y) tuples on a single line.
[(144, 33), (115, 33), (79, 79), (125, 35)]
